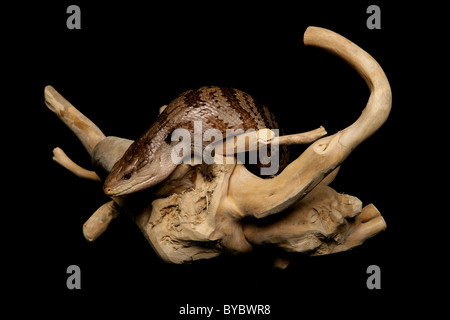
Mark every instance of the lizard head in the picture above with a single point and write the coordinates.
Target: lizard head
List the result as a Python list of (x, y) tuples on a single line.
[(139, 169)]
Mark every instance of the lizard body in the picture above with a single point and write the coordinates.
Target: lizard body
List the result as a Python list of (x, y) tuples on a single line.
[(148, 162)]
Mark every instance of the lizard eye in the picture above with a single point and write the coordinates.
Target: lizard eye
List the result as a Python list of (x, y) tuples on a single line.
[(127, 175)]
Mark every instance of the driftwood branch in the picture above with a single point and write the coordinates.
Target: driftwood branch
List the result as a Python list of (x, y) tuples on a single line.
[(99, 221), (249, 195), (90, 136), (263, 138), (191, 216), (88, 133), (60, 157)]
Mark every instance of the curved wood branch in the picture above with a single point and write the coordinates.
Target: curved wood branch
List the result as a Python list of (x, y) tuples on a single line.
[(60, 157), (259, 197), (380, 100), (249, 195)]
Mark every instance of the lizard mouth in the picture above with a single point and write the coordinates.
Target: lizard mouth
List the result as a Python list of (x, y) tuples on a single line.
[(111, 192), (125, 189)]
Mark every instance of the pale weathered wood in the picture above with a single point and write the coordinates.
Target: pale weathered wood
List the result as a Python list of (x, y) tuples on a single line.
[(90, 136), (249, 195), (322, 214), (193, 215), (100, 220), (60, 157), (263, 138), (88, 133)]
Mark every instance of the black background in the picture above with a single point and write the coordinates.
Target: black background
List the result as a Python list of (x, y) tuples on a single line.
[(127, 61)]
